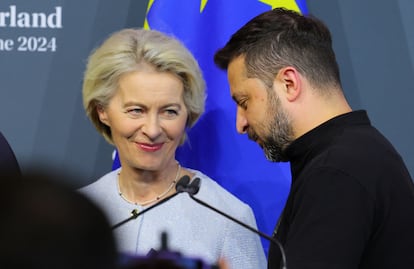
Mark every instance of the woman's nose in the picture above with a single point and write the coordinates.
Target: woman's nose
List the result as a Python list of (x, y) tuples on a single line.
[(152, 127)]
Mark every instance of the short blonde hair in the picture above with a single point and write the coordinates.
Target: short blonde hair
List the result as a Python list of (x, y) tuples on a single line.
[(124, 52)]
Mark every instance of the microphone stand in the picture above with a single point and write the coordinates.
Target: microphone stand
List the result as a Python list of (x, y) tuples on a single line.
[(271, 239), (182, 182), (135, 213)]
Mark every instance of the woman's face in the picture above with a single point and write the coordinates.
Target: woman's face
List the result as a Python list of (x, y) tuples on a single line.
[(147, 117)]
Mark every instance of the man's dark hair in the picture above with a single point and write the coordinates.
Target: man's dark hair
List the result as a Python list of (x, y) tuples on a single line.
[(280, 38)]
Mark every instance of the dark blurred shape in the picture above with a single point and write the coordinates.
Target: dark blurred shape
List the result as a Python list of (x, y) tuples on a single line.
[(8, 161), (46, 224), (163, 258), (148, 263)]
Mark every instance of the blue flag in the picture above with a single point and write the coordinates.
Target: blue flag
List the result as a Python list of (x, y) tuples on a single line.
[(214, 146)]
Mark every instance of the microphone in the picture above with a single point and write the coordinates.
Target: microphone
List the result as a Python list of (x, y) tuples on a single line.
[(194, 187), (191, 188), (182, 183)]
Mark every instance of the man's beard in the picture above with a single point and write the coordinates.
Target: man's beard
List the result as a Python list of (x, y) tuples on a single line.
[(279, 131)]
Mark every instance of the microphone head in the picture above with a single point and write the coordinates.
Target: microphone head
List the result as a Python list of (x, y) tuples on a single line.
[(194, 186), (182, 183)]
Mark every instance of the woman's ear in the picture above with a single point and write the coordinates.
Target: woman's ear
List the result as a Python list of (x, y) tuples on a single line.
[(103, 116), (290, 80)]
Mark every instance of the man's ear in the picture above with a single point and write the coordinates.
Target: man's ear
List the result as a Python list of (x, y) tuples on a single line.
[(103, 116), (290, 80)]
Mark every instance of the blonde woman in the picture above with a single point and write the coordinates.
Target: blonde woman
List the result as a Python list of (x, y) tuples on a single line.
[(142, 89)]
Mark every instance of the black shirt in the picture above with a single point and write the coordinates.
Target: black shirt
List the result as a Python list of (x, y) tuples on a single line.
[(351, 203)]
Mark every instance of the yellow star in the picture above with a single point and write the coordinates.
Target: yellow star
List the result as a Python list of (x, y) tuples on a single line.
[(289, 4), (146, 25), (203, 4)]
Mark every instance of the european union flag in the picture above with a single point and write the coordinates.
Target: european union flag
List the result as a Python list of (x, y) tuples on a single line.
[(214, 147)]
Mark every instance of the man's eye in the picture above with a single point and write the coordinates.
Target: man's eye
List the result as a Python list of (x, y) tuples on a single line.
[(242, 104)]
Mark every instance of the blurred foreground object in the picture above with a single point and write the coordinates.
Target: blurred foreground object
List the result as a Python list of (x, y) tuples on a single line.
[(45, 224)]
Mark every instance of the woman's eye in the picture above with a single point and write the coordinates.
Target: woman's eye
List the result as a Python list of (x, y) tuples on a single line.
[(171, 112), (134, 111)]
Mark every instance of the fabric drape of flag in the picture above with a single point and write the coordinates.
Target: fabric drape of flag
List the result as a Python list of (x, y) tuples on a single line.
[(214, 147)]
